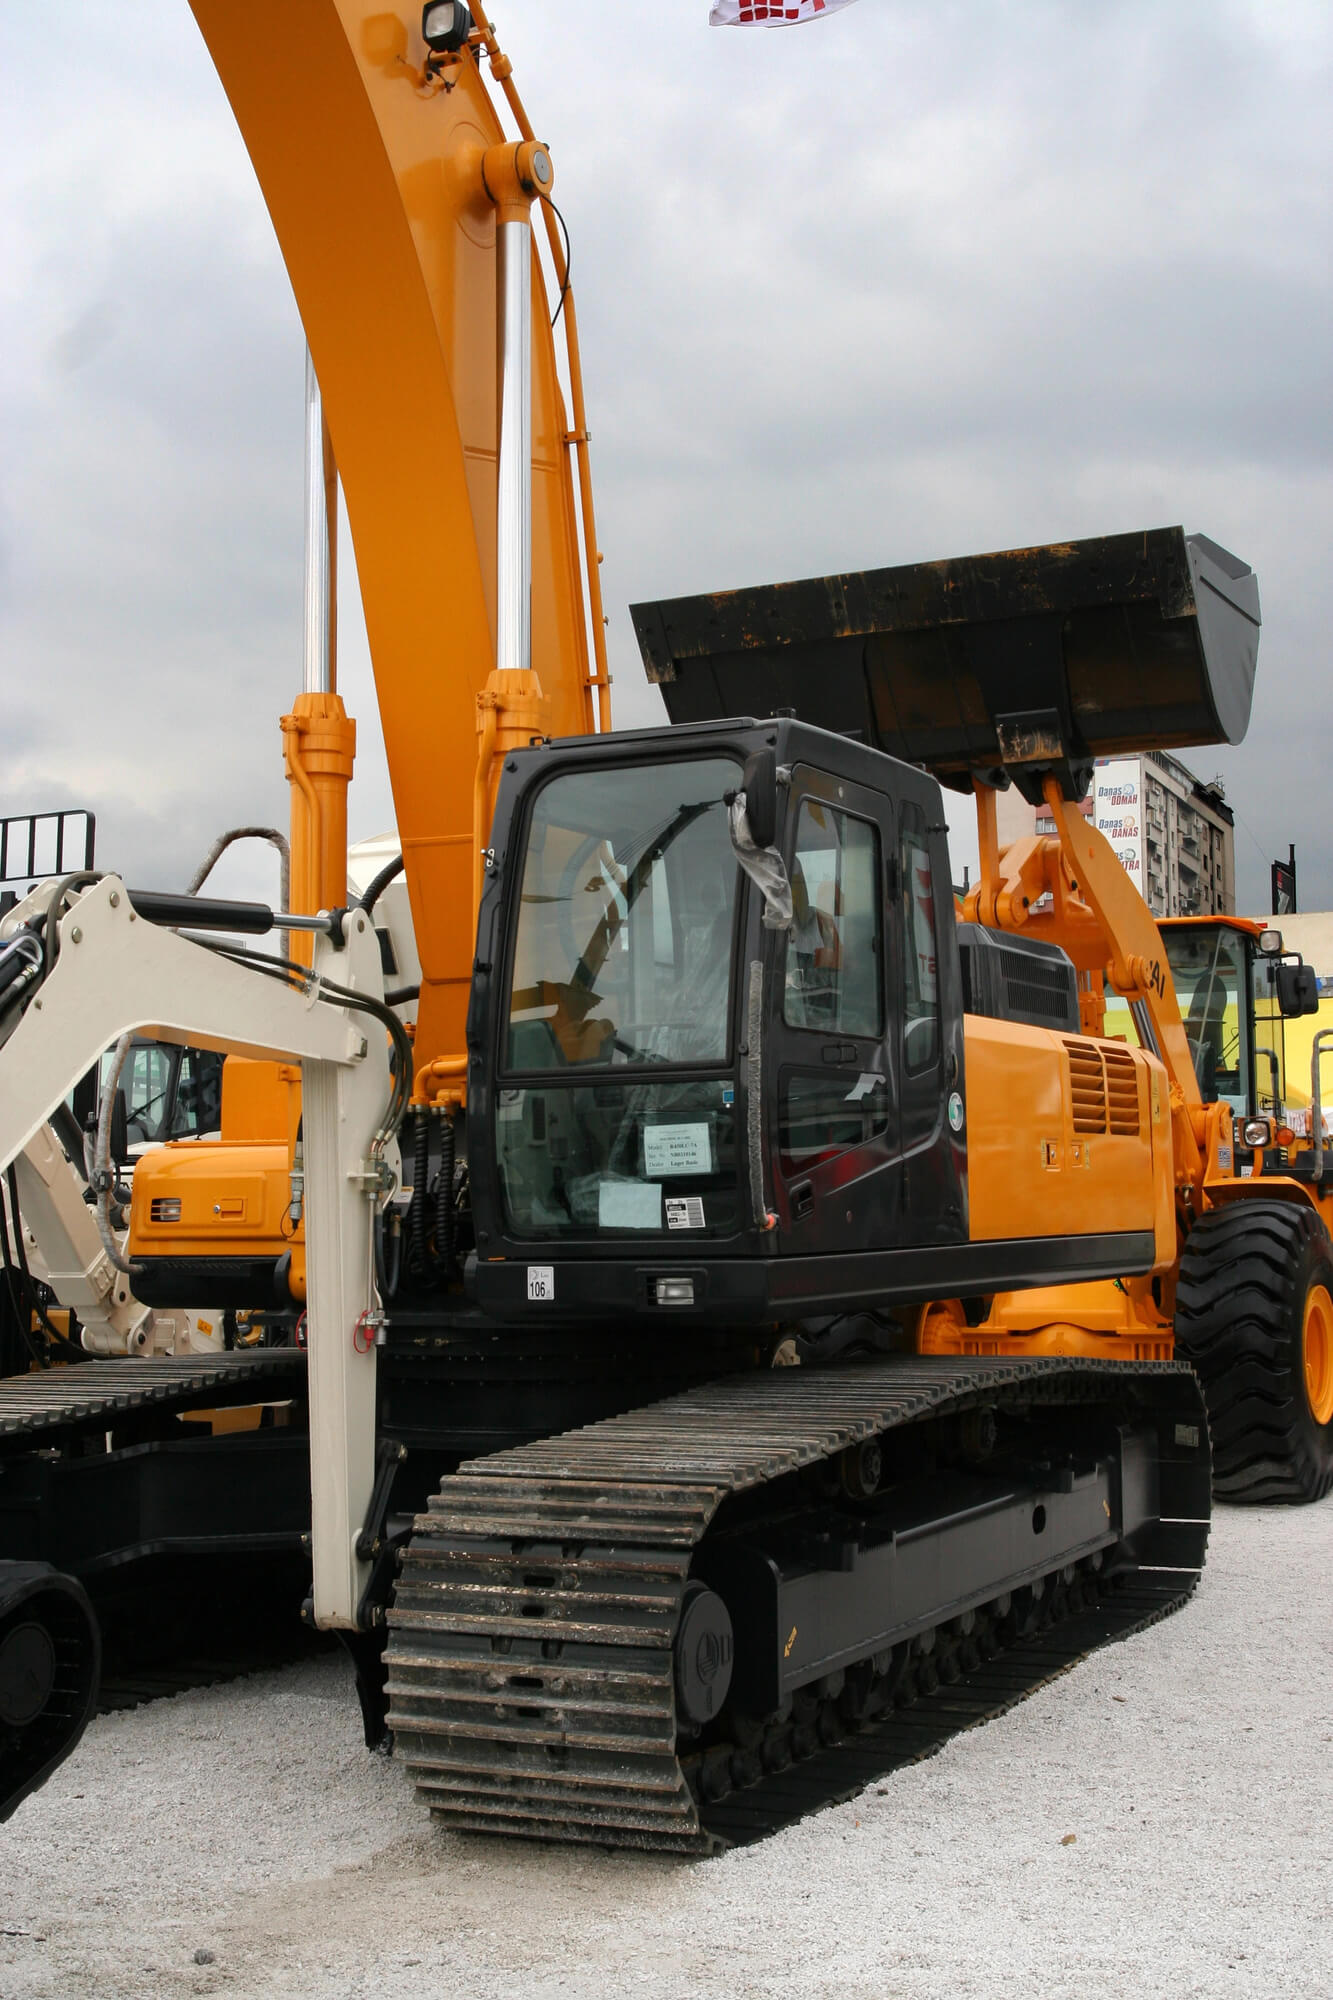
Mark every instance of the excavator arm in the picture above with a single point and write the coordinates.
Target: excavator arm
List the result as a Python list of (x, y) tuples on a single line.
[(1069, 889)]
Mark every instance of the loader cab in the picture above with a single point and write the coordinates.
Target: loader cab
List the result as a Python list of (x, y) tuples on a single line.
[(1237, 988), (701, 1080), (170, 1092)]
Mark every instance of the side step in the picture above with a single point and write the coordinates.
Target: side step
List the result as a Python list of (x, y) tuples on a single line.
[(653, 1632)]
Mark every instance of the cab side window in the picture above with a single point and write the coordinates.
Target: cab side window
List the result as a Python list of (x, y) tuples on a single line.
[(148, 1075), (834, 980), (921, 1012)]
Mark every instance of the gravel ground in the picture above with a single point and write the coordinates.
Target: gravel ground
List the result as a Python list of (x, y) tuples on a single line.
[(1193, 1765)]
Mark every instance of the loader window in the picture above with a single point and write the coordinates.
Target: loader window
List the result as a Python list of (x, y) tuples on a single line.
[(627, 914), (834, 982), (1208, 968)]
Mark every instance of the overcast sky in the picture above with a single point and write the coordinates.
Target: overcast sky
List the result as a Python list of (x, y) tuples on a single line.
[(918, 280)]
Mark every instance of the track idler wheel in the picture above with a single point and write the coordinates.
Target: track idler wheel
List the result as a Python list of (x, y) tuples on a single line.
[(704, 1653), (50, 1662)]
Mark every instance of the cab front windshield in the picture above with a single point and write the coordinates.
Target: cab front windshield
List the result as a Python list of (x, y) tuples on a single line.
[(609, 1123), (623, 950), (1208, 968)]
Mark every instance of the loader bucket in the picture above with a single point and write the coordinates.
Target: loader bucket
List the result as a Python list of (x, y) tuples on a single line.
[(50, 1662), (977, 665)]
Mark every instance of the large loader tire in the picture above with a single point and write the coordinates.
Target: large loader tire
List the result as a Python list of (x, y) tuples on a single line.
[(1254, 1318)]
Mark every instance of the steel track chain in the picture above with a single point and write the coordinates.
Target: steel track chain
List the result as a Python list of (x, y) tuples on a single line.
[(98, 1395), (530, 1661)]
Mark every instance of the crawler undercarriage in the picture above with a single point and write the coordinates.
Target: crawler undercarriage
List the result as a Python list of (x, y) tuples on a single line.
[(682, 1627), (679, 1627)]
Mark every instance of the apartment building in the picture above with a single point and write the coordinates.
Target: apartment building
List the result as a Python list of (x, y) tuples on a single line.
[(1173, 833)]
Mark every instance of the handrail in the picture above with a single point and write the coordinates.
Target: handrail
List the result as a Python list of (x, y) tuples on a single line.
[(1323, 1040)]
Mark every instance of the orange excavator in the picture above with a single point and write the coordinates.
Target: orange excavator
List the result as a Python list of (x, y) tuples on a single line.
[(697, 1088)]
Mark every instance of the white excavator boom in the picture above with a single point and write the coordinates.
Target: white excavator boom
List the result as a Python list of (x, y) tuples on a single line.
[(117, 973)]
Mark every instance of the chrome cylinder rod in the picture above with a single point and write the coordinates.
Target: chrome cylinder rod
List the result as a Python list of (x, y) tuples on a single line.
[(318, 674), (513, 594)]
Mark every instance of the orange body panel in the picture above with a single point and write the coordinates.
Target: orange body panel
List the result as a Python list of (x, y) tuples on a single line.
[(233, 1202), (1057, 1319), (261, 1102), (1067, 1136), (234, 1192)]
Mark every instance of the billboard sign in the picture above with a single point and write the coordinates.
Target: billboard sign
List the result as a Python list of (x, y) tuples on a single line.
[(1118, 809), (1284, 885)]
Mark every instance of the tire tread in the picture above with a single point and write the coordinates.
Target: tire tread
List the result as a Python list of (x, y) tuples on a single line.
[(1238, 1324)]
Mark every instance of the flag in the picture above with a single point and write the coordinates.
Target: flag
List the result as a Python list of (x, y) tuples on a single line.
[(769, 13)]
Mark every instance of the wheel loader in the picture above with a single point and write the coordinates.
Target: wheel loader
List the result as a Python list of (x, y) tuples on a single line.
[(625, 1450)]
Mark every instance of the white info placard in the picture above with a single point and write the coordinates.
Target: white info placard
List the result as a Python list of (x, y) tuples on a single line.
[(541, 1283), (629, 1205), (677, 1149)]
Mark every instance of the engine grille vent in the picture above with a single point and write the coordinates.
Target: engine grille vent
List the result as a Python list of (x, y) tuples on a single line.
[(165, 1208), (1087, 1081), (1104, 1089), (1122, 1091), (1037, 991)]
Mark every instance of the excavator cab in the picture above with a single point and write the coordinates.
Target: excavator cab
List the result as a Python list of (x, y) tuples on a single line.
[(716, 1025), (723, 1064)]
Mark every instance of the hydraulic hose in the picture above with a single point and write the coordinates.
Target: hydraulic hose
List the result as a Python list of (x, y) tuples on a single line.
[(235, 833), (17, 1296), (55, 908), (381, 883), (22, 963), (51, 1330), (291, 974), (416, 1211), (444, 1197), (388, 1255), (102, 1175)]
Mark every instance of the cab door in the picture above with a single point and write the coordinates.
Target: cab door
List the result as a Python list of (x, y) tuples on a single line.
[(930, 1037), (832, 1046)]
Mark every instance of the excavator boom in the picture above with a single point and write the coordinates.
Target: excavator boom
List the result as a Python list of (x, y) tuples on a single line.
[(370, 158)]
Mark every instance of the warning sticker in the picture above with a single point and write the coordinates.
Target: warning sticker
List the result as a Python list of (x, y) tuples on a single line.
[(684, 1211)]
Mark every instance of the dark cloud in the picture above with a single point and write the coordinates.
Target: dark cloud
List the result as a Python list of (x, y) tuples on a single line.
[(918, 280)]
